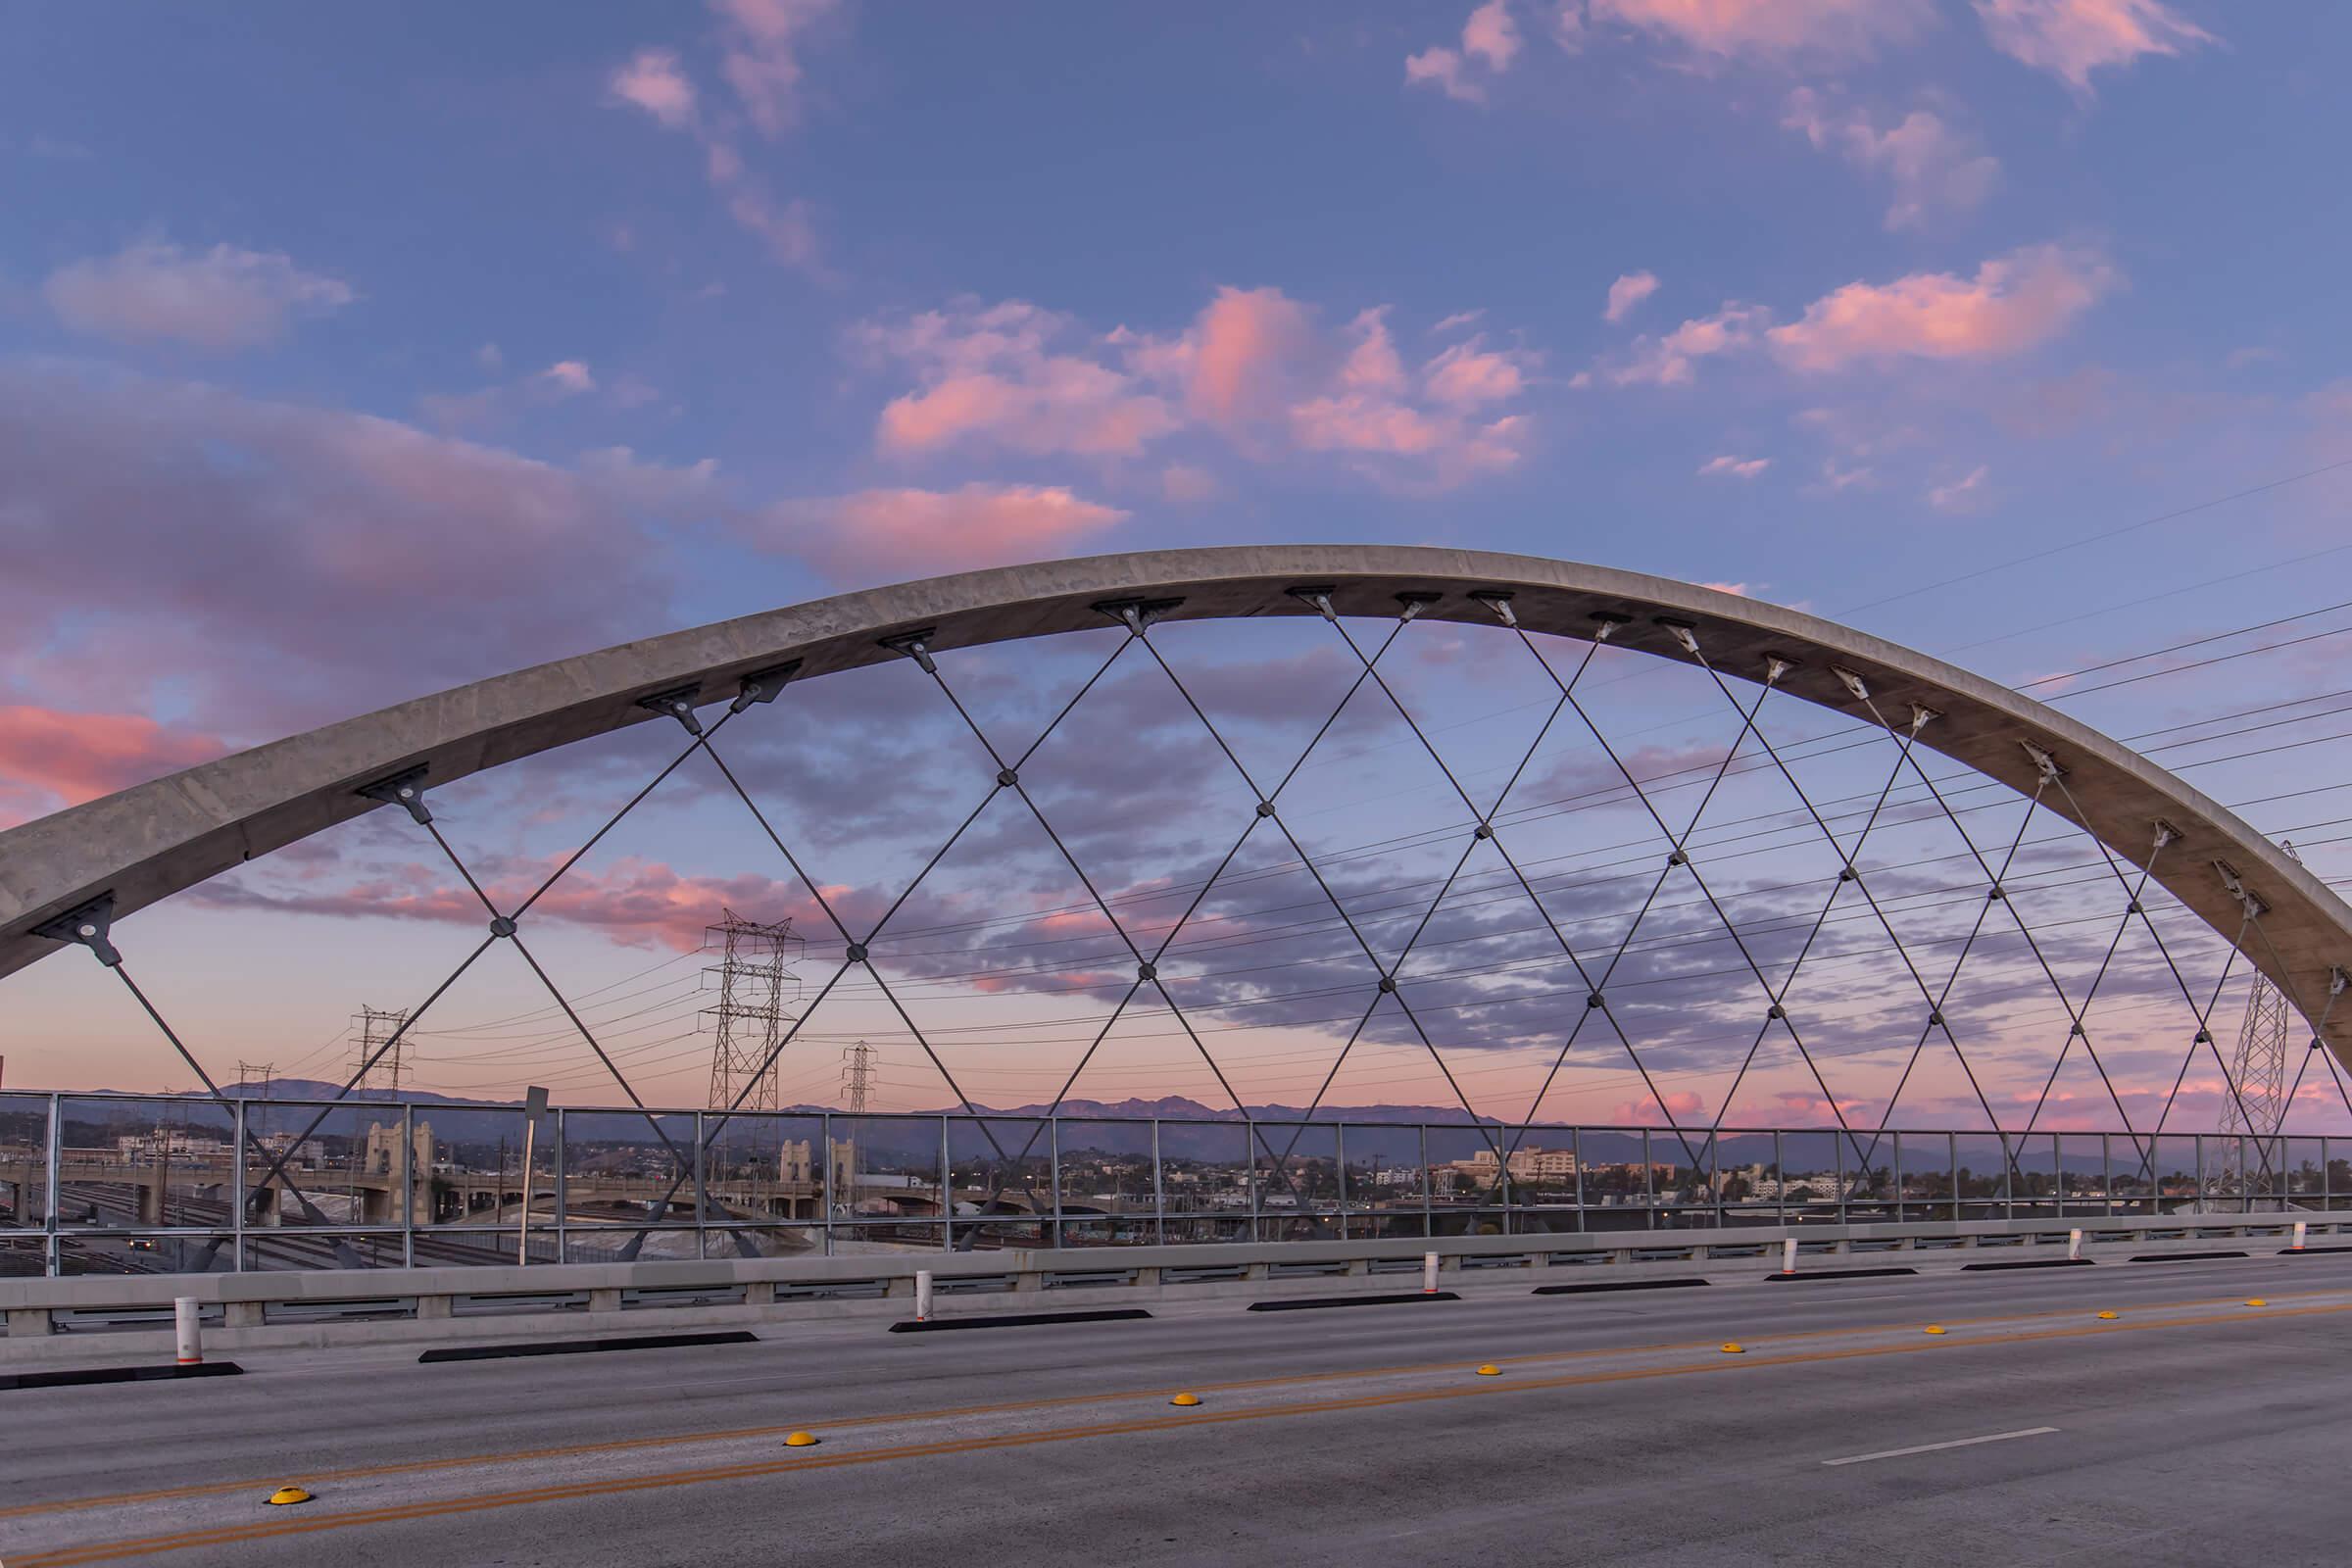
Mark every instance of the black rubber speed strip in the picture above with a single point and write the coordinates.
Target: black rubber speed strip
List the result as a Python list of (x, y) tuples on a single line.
[(1841, 1274), (630, 1341), (2180, 1257), (2298, 1251), (76, 1377), (1595, 1286), (1017, 1320), (1309, 1303), (2031, 1263)]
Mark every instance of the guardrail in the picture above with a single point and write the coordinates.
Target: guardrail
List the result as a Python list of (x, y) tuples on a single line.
[(152, 1184), (50, 1319)]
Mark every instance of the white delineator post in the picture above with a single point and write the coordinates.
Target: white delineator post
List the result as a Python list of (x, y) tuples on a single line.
[(1788, 1254), (188, 1319), (1429, 1273), (2073, 1246), (2301, 1229), (922, 1295)]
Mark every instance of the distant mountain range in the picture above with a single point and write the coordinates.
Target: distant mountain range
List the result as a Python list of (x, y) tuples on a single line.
[(1173, 1107)]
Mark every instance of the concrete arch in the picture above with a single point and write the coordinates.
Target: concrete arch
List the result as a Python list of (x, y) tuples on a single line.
[(151, 840)]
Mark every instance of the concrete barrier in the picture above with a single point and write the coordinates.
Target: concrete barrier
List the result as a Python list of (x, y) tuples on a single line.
[(61, 1319)]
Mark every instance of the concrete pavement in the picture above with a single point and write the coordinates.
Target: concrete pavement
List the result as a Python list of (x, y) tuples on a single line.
[(2189, 1428)]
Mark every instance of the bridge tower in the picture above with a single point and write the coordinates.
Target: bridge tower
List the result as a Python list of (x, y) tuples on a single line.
[(2258, 1070)]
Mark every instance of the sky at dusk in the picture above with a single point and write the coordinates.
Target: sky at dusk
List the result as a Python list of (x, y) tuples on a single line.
[(348, 354)]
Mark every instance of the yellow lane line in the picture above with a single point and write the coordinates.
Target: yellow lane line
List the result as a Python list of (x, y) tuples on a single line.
[(1013, 1407), (115, 1551)]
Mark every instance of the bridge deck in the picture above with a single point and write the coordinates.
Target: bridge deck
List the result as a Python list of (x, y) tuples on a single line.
[(1358, 1435)]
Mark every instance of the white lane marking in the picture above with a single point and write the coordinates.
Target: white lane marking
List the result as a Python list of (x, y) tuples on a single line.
[(1931, 1447)]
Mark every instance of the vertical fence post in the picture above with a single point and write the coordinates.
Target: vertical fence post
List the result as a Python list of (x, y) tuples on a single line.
[(407, 1184), (1576, 1160), (562, 1191), (237, 1214), (1780, 1180), (1160, 1192), (1053, 1154), (1339, 1146), (824, 1159), (1258, 1228), (2107, 1172), (1429, 1218), (52, 1256), (1951, 1168), (1896, 1142), (1839, 1145), (1715, 1174), (947, 1190), (1650, 1187)]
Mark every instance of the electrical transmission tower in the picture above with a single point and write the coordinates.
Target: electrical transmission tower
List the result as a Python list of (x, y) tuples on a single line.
[(247, 1073), (376, 1026), (857, 1075), (757, 986), (2258, 1070)]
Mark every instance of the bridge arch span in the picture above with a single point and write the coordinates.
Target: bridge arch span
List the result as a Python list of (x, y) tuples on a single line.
[(155, 839)]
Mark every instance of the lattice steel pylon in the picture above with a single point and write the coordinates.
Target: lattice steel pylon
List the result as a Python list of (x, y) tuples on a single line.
[(2258, 1070), (377, 1028), (757, 985), (857, 1075)]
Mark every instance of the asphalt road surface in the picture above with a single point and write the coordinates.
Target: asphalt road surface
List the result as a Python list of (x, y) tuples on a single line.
[(2190, 1428)]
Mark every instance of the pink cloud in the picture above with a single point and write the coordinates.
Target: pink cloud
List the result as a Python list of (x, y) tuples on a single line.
[(1254, 367), (882, 535), (1627, 293), (1368, 408), (1242, 347), (1185, 482), (1682, 1103), (762, 64), (219, 298), (1961, 495), (258, 558), (1774, 29), (2072, 38), (49, 759), (1666, 360), (1490, 41), (1466, 376), (636, 902), (1004, 375), (567, 379), (2015, 302), (1933, 169), (1731, 467), (656, 83), (763, 56), (786, 228)]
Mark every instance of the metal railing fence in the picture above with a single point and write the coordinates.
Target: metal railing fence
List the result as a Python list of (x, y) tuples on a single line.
[(109, 1183)]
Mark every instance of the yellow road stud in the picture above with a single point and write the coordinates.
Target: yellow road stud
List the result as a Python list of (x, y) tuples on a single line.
[(801, 1439), (285, 1497), (1734, 1347), (2107, 1316), (1487, 1369), (1933, 1328), (2256, 1300), (1186, 1399)]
